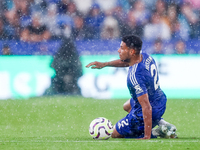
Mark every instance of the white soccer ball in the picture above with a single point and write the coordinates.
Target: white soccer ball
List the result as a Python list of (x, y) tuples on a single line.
[(101, 128)]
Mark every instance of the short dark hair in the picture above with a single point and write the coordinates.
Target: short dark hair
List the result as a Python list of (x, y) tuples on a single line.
[(133, 41)]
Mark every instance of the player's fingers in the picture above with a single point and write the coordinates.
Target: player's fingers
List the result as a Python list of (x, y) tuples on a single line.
[(90, 64), (144, 138), (87, 66), (95, 67)]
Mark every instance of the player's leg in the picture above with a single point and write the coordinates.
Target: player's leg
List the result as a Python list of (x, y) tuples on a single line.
[(129, 127), (165, 130), (115, 134), (122, 128), (127, 106), (162, 122), (168, 128)]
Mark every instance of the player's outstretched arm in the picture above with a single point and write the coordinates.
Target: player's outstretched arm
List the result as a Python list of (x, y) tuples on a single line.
[(147, 115), (114, 63)]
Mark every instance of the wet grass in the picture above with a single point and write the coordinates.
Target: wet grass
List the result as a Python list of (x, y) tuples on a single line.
[(62, 123)]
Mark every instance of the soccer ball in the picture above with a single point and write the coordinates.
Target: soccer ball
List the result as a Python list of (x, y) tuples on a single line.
[(101, 128)]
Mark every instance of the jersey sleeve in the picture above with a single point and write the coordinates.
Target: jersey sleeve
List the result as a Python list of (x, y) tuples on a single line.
[(138, 85)]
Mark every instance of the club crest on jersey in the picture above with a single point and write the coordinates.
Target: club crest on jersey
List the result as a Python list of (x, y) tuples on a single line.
[(138, 89)]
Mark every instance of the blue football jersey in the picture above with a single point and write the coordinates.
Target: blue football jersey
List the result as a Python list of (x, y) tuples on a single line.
[(143, 78)]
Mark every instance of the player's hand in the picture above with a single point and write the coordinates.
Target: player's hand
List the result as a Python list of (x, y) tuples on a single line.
[(145, 138), (96, 65)]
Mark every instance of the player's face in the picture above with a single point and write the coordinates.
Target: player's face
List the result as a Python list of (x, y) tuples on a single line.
[(124, 52)]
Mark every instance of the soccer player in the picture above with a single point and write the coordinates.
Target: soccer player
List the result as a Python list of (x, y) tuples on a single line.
[(148, 102)]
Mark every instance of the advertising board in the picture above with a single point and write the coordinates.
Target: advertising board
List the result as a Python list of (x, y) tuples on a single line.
[(179, 77), (30, 76)]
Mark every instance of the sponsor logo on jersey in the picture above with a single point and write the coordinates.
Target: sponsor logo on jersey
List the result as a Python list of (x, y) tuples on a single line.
[(138, 89)]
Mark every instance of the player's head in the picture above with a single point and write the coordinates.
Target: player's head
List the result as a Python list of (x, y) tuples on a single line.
[(130, 46), (133, 42)]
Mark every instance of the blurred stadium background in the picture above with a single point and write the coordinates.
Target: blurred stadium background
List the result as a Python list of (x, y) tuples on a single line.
[(45, 45)]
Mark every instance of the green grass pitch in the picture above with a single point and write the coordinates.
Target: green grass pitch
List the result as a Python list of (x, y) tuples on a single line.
[(59, 122)]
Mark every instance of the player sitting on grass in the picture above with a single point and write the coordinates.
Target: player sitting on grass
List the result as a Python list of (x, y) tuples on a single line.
[(148, 102)]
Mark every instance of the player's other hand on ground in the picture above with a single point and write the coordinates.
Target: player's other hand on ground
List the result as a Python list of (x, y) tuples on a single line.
[(144, 138), (96, 65)]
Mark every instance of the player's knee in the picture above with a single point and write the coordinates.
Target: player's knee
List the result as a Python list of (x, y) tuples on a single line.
[(126, 107)]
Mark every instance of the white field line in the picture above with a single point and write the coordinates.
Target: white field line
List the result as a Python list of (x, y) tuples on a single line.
[(96, 141)]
